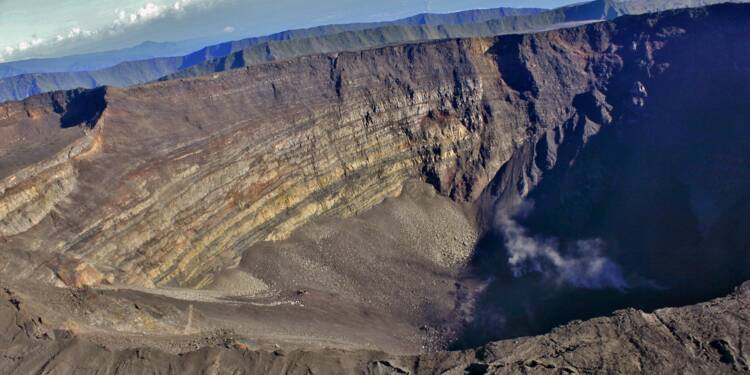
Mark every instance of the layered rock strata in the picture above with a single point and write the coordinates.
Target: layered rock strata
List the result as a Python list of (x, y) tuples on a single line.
[(167, 183)]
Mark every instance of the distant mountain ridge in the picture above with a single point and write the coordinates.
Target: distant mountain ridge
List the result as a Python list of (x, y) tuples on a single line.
[(398, 34), (468, 16), (18, 83), (358, 212), (98, 60), (150, 49), (333, 38)]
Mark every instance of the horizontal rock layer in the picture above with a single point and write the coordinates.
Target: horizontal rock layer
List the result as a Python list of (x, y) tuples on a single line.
[(332, 38), (178, 177), (169, 182)]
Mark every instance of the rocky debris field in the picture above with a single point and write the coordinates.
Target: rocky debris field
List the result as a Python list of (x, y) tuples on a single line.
[(368, 211)]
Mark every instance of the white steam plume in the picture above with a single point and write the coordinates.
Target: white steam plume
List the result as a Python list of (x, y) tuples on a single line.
[(583, 264)]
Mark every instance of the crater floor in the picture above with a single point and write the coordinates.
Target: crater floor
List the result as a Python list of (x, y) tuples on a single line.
[(364, 211)]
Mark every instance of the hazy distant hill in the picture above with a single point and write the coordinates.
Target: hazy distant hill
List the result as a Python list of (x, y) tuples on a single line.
[(332, 38), (464, 17), (30, 77), (458, 25), (461, 206), (98, 60), (392, 34)]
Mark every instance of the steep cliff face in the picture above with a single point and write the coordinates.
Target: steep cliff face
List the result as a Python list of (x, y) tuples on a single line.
[(386, 34), (627, 135), (331, 38), (169, 182), (179, 176), (639, 189), (27, 78)]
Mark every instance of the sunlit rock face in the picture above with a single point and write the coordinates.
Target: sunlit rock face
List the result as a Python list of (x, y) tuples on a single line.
[(599, 159), (169, 182)]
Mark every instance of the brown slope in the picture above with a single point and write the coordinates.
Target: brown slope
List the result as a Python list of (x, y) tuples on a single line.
[(216, 163), (698, 339), (174, 180), (204, 167), (179, 176)]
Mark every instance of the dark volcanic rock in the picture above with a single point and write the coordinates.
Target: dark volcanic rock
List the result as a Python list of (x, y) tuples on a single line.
[(701, 339), (331, 38), (631, 132)]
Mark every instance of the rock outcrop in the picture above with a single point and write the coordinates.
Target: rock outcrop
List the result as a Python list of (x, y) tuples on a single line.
[(166, 183), (170, 183), (332, 38), (700, 339), (19, 80)]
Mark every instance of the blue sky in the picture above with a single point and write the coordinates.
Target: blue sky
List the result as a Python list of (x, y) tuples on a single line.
[(48, 28)]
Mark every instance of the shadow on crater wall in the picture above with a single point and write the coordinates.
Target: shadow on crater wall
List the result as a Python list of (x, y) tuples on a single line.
[(664, 188)]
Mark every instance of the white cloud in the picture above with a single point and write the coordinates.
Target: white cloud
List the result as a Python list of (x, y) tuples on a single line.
[(122, 21), (22, 46), (149, 11), (152, 11), (229, 29), (74, 32), (145, 13), (180, 4)]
